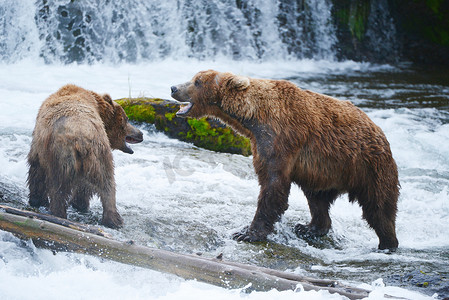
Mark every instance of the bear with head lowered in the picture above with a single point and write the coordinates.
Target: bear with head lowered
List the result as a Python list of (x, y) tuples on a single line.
[(70, 157), (326, 146)]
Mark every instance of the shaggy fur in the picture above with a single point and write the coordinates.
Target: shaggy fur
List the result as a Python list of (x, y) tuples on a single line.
[(70, 157), (326, 146)]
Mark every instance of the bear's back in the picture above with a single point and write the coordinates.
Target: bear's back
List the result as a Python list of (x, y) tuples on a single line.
[(69, 117)]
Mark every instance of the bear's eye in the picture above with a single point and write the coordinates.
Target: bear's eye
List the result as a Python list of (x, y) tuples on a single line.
[(197, 83)]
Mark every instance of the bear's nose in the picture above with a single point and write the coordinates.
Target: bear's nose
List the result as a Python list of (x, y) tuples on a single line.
[(174, 89)]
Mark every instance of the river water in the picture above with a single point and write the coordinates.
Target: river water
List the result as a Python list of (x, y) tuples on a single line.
[(175, 196)]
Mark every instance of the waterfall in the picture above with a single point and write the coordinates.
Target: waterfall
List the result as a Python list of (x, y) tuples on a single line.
[(19, 36), (381, 32), (132, 30)]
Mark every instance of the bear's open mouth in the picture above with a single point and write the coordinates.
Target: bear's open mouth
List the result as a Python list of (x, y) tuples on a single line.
[(131, 140), (185, 108)]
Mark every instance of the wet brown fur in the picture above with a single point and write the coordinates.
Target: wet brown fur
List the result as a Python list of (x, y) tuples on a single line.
[(326, 146), (70, 157)]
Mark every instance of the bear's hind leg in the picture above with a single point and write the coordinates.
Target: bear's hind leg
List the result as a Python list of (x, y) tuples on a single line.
[(319, 204), (104, 184), (111, 217), (80, 199), (37, 184), (59, 202), (381, 216)]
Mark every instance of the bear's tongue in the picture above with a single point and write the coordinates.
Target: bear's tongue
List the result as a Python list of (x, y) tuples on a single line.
[(185, 107)]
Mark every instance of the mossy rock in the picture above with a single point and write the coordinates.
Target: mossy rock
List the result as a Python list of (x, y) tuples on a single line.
[(353, 16), (205, 132)]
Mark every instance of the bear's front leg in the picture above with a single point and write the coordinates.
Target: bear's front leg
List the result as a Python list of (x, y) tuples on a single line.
[(272, 203)]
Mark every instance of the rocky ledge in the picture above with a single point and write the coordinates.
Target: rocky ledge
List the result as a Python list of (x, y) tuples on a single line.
[(205, 132)]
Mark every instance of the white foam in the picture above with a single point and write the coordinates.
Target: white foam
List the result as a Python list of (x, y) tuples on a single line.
[(172, 182)]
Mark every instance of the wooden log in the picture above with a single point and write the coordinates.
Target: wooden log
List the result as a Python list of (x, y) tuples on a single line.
[(56, 220), (210, 270)]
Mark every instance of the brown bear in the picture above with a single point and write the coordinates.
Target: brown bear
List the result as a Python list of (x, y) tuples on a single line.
[(70, 157), (326, 146)]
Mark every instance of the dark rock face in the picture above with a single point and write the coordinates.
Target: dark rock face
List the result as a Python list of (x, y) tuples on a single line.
[(423, 30), (389, 31), (365, 31)]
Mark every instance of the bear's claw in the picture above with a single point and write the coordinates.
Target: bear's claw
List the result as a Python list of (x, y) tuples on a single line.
[(307, 231), (38, 201), (113, 220), (248, 235)]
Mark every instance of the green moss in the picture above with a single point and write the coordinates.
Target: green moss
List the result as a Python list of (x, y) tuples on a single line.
[(354, 16), (220, 139), (136, 111), (437, 35), (201, 127), (357, 26), (203, 133), (358, 19), (342, 15), (434, 5), (170, 116)]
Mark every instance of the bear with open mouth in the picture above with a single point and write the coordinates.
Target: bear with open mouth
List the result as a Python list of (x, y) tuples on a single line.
[(326, 146), (71, 152)]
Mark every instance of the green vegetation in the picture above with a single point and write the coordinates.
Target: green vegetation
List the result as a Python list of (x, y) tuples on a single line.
[(354, 15), (357, 21), (206, 133), (221, 139), (434, 5), (140, 113)]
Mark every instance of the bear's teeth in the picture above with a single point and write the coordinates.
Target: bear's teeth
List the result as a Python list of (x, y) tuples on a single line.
[(185, 107)]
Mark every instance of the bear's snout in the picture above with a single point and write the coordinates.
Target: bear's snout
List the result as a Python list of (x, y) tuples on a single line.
[(180, 92), (133, 136)]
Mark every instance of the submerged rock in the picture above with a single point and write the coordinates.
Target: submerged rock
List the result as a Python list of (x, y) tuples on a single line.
[(206, 133)]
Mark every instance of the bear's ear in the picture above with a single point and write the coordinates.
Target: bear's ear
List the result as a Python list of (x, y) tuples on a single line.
[(232, 81), (107, 98), (239, 82)]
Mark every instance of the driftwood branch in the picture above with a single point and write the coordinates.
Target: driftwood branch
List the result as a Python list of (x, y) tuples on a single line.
[(214, 271), (56, 220)]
